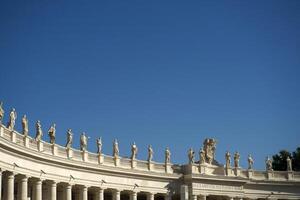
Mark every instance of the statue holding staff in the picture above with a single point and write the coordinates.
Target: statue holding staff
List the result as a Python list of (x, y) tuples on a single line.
[(69, 138), (83, 142)]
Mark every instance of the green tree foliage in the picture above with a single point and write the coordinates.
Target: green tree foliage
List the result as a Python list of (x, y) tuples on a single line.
[(279, 160)]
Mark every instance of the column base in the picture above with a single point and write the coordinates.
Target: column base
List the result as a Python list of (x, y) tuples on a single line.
[(250, 173)]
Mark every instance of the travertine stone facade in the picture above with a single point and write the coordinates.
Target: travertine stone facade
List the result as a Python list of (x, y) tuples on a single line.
[(35, 169)]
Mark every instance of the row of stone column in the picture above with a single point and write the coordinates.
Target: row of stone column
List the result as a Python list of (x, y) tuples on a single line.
[(36, 186)]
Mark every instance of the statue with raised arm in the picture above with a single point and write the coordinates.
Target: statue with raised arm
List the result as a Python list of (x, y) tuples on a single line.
[(51, 133), (228, 159), (191, 156), (202, 156), (69, 138), (83, 142), (134, 151), (150, 153), (167, 155), (236, 159), (250, 162), (39, 132), (269, 165), (12, 119), (209, 145), (25, 125), (99, 145), (116, 149), (289, 164), (1, 112)]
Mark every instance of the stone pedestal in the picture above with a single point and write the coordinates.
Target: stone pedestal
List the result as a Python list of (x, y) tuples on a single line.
[(270, 174), (26, 141), (168, 168), (133, 163), (117, 161), (54, 149), (150, 166), (84, 154), (228, 171), (100, 159), (1, 131), (290, 175), (202, 169), (69, 153), (250, 173), (40, 146), (237, 171), (13, 136)]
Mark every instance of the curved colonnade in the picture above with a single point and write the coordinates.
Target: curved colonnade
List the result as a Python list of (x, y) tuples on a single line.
[(39, 170)]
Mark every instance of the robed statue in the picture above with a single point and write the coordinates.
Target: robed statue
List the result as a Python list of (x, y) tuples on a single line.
[(39, 132), (236, 159), (209, 148), (269, 165), (69, 138), (227, 159), (289, 164), (116, 149), (25, 125), (150, 153), (99, 145), (191, 156), (52, 133), (134, 151), (250, 162), (202, 156), (167, 155), (12, 119), (83, 142)]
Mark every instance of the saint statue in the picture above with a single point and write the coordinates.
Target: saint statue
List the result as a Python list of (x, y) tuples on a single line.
[(99, 145), (25, 125), (202, 156), (289, 164), (1, 112), (228, 159), (83, 142), (116, 149), (51, 133), (150, 153), (269, 165), (39, 132), (209, 148), (134, 150), (12, 119), (250, 162), (191, 155), (167, 155), (69, 138), (236, 159)]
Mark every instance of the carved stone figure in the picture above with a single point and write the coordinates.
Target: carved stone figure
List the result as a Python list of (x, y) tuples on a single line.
[(228, 159), (51, 133), (99, 145), (1, 112), (209, 148), (269, 165), (134, 150), (69, 138), (289, 164), (202, 156), (191, 155), (39, 132), (236, 159), (83, 142), (25, 125), (150, 153), (167, 155), (250, 162), (12, 119), (116, 149)]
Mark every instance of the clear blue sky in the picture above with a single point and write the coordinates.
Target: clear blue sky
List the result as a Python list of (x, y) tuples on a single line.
[(156, 72)]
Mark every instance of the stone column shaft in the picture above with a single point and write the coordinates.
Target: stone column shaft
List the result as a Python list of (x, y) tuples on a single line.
[(37, 195), (194, 197), (23, 188), (133, 195), (100, 194), (68, 192), (150, 196), (10, 186), (53, 190), (116, 195), (84, 193)]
